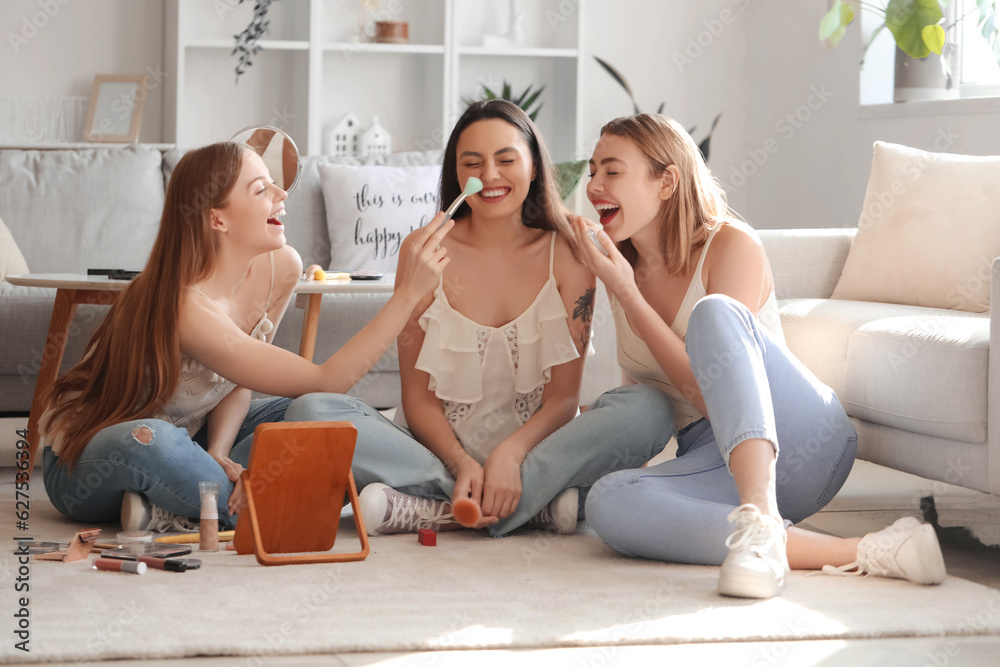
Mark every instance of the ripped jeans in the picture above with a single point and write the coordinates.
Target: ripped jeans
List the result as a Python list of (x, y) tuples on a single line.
[(162, 463)]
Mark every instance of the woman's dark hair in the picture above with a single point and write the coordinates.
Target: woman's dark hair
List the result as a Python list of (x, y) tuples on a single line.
[(543, 208)]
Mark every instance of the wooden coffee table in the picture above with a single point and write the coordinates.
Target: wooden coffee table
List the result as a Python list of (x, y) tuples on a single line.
[(72, 289)]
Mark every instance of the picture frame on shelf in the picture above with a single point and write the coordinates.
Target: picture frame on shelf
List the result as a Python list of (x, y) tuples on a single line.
[(116, 105)]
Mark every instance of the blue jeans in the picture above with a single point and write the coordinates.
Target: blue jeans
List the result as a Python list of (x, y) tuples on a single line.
[(166, 471), (575, 456), (753, 387)]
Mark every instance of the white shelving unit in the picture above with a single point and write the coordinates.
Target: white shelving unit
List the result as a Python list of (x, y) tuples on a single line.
[(312, 71)]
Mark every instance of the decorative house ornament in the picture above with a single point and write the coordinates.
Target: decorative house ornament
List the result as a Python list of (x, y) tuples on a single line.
[(375, 140), (342, 140)]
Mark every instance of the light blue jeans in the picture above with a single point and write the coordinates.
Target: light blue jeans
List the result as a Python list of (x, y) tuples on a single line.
[(753, 387), (575, 456), (166, 471)]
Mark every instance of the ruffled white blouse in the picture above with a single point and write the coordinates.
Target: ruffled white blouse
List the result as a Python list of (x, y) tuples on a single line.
[(490, 379)]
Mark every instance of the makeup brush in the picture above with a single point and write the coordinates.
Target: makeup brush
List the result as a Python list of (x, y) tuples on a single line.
[(472, 186), (466, 510)]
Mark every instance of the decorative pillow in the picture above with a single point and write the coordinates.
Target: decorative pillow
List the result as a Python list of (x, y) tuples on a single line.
[(11, 260), (928, 233), (370, 210)]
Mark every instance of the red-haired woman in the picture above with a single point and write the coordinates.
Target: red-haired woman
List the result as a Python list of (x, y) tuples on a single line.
[(161, 399)]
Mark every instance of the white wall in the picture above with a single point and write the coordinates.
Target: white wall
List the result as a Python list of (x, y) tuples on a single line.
[(85, 37), (689, 55), (817, 175), (67, 42), (756, 62)]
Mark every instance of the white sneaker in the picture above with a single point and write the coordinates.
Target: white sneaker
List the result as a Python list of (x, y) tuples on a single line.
[(559, 516), (139, 514), (757, 562), (387, 511), (908, 549)]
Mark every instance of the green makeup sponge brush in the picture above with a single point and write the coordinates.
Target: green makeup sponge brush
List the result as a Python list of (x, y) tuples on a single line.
[(472, 186)]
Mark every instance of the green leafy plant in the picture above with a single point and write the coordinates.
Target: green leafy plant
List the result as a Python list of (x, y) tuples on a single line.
[(570, 174), (246, 41), (704, 145), (917, 26), (525, 100)]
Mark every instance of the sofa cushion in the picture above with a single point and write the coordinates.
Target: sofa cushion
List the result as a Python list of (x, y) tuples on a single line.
[(371, 209), (929, 231), (74, 210), (11, 260), (888, 363), (305, 222)]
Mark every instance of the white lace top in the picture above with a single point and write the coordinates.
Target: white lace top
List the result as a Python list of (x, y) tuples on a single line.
[(490, 379), (637, 360)]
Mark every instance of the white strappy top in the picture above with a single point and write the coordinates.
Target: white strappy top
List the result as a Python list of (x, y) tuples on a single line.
[(490, 379), (199, 389), (638, 362)]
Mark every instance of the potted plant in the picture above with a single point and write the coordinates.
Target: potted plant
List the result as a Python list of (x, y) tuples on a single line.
[(570, 172), (704, 145), (924, 32), (246, 41)]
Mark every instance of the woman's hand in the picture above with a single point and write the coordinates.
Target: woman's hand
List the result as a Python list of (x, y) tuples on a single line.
[(502, 490), (469, 484), (612, 269), (425, 261), (234, 471)]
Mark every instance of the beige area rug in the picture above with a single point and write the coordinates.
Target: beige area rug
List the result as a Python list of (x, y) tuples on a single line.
[(532, 590)]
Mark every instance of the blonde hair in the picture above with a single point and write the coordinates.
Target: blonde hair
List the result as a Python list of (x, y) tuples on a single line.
[(698, 203)]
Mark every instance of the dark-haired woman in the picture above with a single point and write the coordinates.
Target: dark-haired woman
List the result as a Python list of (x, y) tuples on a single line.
[(492, 361)]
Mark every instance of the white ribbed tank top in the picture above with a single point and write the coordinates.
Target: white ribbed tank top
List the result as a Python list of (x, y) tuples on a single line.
[(637, 361)]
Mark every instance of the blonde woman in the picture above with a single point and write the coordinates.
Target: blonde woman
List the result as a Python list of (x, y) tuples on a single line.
[(762, 444)]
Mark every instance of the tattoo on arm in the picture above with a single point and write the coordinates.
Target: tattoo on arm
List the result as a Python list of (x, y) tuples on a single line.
[(584, 312)]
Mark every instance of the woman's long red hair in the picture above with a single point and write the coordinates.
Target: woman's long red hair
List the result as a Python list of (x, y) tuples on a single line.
[(131, 365)]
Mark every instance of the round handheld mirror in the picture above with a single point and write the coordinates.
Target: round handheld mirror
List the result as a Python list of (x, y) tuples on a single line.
[(278, 151)]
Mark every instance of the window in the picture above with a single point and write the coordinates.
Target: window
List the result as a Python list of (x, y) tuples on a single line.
[(975, 70), (980, 74)]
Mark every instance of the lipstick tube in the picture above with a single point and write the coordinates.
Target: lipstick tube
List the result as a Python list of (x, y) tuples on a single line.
[(208, 526), (168, 564), (118, 565)]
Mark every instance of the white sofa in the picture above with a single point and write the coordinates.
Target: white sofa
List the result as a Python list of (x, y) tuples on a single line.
[(916, 381)]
